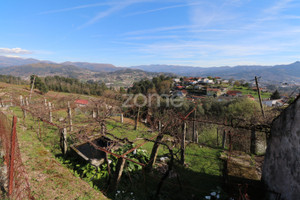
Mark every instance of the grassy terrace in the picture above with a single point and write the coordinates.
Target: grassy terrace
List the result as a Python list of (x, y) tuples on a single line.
[(246, 90), (50, 178)]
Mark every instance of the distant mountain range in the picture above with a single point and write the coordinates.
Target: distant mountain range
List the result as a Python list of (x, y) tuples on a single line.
[(97, 67), (83, 70), (276, 73), (108, 73)]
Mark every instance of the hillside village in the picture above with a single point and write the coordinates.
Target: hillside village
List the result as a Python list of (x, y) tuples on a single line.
[(195, 88)]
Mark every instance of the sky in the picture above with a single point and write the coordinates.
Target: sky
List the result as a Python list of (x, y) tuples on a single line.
[(202, 33)]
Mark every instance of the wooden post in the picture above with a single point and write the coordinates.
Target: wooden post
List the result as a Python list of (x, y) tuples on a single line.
[(21, 100), (103, 128), (11, 101), (26, 101), (259, 96), (70, 116), (194, 126), (154, 152), (159, 126), (24, 114), (121, 118), (136, 119), (50, 112), (63, 141), (253, 141), (118, 174), (94, 114), (45, 102), (39, 129), (224, 139), (32, 87), (183, 142)]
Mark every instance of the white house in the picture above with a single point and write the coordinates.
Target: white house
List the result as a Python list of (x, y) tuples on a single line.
[(274, 102)]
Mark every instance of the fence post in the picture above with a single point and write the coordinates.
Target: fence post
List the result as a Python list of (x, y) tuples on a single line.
[(159, 126), (70, 116), (224, 139), (11, 101), (122, 118), (118, 173), (183, 142), (63, 141), (45, 102), (21, 100), (24, 114), (154, 152), (12, 156), (194, 127), (253, 140), (94, 114), (50, 112), (137, 119), (26, 101)]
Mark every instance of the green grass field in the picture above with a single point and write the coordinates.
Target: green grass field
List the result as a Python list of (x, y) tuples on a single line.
[(246, 90)]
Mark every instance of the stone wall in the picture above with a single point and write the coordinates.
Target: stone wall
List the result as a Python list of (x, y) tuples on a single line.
[(281, 170)]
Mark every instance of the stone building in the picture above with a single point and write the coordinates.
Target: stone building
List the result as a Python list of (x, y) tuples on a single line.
[(281, 170)]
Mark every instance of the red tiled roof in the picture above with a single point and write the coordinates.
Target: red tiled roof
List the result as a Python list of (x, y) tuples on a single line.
[(213, 89), (183, 91), (81, 101), (234, 92)]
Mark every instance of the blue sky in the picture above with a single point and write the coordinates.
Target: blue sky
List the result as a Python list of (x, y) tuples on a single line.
[(134, 32)]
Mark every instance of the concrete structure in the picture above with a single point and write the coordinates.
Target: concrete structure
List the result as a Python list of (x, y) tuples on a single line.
[(275, 102), (281, 170)]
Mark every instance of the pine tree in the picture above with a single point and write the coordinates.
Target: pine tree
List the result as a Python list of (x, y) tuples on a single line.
[(275, 95)]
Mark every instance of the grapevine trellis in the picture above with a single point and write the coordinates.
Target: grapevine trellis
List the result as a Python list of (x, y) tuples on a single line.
[(164, 128)]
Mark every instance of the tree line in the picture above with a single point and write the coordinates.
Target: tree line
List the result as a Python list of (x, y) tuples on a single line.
[(12, 80), (160, 85)]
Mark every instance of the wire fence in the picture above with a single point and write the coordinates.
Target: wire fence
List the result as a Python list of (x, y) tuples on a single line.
[(15, 179)]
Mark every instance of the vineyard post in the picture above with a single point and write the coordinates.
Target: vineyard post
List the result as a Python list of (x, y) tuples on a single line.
[(253, 141), (50, 112), (121, 118), (26, 101), (70, 116), (63, 141), (94, 114), (21, 100), (194, 127), (183, 142)]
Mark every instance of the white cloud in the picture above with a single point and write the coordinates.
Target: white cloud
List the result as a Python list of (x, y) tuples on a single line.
[(14, 51)]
